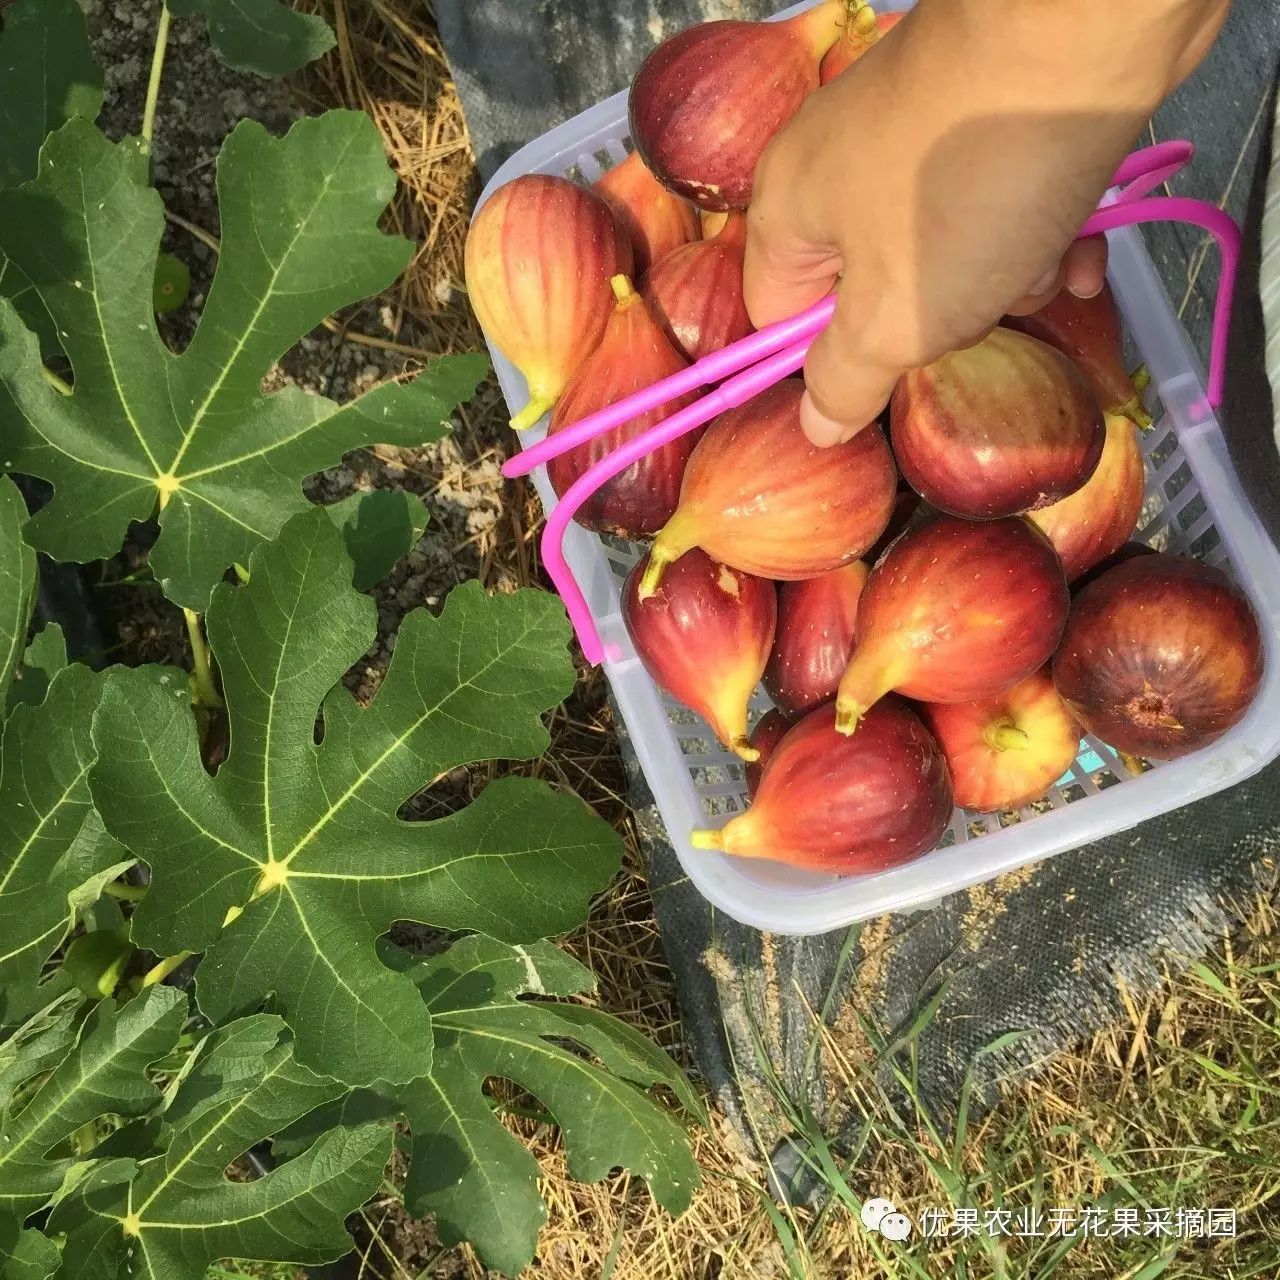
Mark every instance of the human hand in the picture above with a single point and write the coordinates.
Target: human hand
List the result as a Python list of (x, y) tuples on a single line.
[(944, 177)]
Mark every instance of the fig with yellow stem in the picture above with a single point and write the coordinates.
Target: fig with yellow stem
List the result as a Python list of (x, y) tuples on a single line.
[(704, 637), (539, 258)]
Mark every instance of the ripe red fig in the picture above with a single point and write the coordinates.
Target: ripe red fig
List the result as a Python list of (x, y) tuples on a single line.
[(1006, 426), (757, 495), (861, 33), (1161, 656), (706, 102), (633, 354), (1088, 330), (846, 805), (656, 221), (764, 738), (955, 612), (539, 258), (696, 292), (704, 637), (1089, 525), (1005, 751), (814, 640)]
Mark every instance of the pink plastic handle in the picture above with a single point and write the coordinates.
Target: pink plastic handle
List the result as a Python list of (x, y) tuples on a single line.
[(1222, 227), (737, 390), (1140, 173), (720, 364)]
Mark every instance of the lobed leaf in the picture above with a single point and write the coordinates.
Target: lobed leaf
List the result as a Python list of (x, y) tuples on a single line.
[(193, 435), (466, 1167), (103, 1073), (379, 527), (17, 585), (54, 853), (47, 77), (300, 840), (170, 1216), (265, 37)]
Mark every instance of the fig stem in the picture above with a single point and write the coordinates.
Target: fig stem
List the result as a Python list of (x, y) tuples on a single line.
[(622, 289), (1136, 412), (710, 840), (532, 412), (1004, 735), (1133, 408), (847, 716), (820, 27)]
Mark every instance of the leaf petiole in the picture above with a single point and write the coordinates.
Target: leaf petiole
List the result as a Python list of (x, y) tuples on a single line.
[(125, 892), (206, 690), (61, 387), (159, 972), (157, 70)]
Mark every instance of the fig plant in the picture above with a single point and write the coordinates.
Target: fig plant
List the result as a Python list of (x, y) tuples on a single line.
[(247, 820)]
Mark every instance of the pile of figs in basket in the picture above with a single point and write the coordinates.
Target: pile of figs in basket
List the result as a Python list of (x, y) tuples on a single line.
[(937, 607)]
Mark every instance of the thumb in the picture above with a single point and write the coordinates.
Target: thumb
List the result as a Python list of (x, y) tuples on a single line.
[(847, 384)]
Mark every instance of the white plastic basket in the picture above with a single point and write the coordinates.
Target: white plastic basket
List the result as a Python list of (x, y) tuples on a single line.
[(1196, 507)]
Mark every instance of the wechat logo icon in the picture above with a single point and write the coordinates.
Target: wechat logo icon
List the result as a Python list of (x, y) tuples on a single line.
[(879, 1214)]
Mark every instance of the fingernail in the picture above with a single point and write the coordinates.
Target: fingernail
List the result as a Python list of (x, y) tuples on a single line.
[(1085, 294), (821, 430)]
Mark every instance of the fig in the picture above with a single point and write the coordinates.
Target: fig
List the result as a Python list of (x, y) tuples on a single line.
[(764, 738), (539, 258), (706, 101), (955, 611), (1089, 525), (814, 638), (656, 221), (860, 33), (1006, 751), (704, 637), (758, 496), (1161, 656), (633, 354), (1003, 427), (1088, 331), (696, 292), (845, 805)]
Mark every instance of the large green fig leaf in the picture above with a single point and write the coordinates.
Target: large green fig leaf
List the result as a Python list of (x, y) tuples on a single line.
[(17, 585), (47, 77), (104, 1072), (467, 1169), (263, 36), (170, 1216), (303, 837), (54, 853), (193, 434)]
